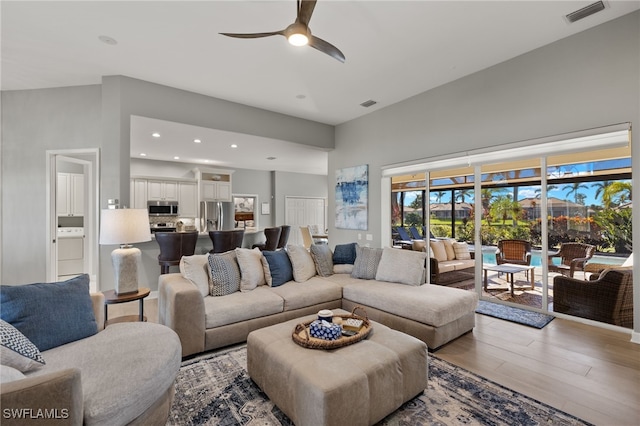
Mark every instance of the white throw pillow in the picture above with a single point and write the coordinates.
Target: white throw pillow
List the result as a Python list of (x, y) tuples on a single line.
[(401, 266), (16, 351), (462, 251), (251, 271), (439, 252), (303, 266), (448, 247), (196, 269)]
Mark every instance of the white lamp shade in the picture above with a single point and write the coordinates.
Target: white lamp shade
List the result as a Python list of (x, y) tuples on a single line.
[(124, 226)]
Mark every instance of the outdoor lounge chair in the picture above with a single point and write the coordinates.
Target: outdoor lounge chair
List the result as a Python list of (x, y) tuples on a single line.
[(608, 299), (573, 257), (402, 233), (415, 233)]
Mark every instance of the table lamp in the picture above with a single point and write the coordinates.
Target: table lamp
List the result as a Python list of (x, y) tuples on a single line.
[(124, 227)]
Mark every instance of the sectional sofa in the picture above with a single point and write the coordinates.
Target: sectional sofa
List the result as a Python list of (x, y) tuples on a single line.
[(278, 286)]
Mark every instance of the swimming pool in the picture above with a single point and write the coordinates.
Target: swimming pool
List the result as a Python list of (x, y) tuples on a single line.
[(489, 257)]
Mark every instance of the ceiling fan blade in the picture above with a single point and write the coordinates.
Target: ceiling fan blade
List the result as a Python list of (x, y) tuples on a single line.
[(328, 48), (254, 35), (305, 10)]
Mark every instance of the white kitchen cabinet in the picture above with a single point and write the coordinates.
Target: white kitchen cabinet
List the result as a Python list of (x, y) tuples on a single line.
[(158, 190), (138, 194), (70, 194), (188, 199), (215, 190)]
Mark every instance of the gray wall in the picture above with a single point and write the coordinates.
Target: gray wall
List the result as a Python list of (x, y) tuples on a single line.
[(589, 80), (296, 184), (581, 82), (34, 121)]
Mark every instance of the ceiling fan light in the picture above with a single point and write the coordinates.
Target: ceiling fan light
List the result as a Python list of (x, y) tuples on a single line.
[(297, 39)]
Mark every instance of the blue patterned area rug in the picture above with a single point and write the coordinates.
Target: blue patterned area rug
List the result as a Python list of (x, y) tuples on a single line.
[(215, 389), (521, 316)]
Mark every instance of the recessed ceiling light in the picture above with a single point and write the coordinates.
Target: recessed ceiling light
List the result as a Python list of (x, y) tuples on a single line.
[(142, 154), (176, 158), (271, 158), (155, 134), (107, 40), (197, 140), (233, 145)]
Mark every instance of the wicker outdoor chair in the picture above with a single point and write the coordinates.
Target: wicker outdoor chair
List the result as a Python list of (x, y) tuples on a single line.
[(608, 299), (517, 252), (573, 258)]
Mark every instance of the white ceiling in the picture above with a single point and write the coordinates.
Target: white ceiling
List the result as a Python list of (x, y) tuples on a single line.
[(394, 50)]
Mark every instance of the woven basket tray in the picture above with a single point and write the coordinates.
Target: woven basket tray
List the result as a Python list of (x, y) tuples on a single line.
[(302, 337)]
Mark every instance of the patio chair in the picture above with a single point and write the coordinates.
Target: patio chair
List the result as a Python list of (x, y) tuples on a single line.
[(415, 233), (573, 257), (517, 252), (608, 299), (402, 233)]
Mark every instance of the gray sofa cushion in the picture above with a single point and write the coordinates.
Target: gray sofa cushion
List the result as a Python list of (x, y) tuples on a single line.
[(401, 266), (367, 260), (125, 369), (225, 274), (240, 306), (429, 304), (312, 292)]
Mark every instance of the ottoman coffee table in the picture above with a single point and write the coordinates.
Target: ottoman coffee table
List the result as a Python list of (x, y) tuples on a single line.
[(359, 384)]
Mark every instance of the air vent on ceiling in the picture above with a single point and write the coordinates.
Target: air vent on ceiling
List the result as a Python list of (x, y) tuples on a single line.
[(585, 11), (368, 103)]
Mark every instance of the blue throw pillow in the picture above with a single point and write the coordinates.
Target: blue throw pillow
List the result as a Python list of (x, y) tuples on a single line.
[(345, 254), (50, 314), (279, 266)]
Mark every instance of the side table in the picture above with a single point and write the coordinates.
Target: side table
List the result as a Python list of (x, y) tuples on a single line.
[(110, 297)]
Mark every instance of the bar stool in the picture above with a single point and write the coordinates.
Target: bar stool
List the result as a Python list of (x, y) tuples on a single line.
[(174, 245), (284, 236), (224, 241), (273, 237)]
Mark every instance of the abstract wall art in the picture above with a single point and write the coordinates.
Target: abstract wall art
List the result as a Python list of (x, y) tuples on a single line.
[(352, 197)]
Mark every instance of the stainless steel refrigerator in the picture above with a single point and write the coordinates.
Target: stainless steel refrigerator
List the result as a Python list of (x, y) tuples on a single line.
[(216, 216)]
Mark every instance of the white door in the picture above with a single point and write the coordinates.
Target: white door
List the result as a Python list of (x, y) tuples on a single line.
[(301, 211), (86, 197)]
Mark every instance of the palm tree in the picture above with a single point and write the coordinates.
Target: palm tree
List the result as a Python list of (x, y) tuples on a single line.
[(463, 193), (601, 186), (574, 189), (616, 193), (439, 195)]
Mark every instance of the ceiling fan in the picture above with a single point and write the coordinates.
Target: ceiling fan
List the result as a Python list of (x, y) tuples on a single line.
[(299, 33)]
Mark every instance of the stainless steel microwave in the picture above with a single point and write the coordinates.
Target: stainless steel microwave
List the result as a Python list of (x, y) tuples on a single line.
[(162, 208)]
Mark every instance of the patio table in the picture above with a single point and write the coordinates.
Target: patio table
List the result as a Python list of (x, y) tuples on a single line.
[(509, 269)]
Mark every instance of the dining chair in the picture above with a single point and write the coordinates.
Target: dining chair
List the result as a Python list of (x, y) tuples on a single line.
[(307, 240), (224, 241), (272, 238), (284, 236), (174, 245)]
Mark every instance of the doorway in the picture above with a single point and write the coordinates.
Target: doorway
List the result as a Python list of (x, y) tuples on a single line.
[(302, 211), (72, 211)]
